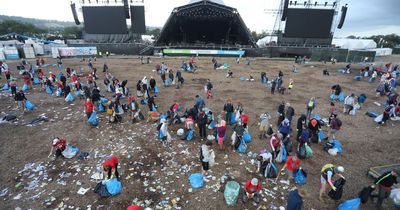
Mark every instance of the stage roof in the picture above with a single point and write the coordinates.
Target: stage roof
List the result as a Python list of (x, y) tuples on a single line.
[(205, 23)]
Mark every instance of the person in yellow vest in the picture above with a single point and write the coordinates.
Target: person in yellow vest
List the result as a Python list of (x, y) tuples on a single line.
[(310, 106), (290, 86), (327, 173)]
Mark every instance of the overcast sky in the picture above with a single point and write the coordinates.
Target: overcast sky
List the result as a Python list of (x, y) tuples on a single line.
[(364, 17)]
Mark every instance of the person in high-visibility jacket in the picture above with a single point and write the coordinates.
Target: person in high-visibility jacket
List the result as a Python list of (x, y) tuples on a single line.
[(327, 173)]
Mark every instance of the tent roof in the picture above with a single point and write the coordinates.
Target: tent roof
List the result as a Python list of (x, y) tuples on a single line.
[(355, 44), (205, 22), (215, 1), (11, 42)]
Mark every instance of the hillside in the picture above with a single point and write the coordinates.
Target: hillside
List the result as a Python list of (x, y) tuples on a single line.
[(40, 23)]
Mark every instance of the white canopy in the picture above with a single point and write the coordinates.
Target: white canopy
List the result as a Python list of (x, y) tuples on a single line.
[(267, 40), (354, 44), (382, 51)]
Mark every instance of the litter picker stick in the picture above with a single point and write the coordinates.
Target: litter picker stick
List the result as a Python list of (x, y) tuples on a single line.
[(277, 177)]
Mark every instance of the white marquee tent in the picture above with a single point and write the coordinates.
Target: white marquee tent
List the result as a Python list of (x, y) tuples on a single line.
[(267, 40), (354, 44)]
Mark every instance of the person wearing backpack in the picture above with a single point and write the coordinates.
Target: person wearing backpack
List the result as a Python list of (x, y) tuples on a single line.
[(292, 164), (207, 155), (334, 125), (328, 171)]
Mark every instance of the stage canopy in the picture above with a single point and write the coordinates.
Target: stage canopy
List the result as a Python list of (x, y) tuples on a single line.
[(205, 23)]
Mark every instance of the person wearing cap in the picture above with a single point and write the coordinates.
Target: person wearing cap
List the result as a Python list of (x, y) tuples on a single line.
[(59, 146), (328, 171), (252, 190), (292, 164), (110, 167), (385, 184), (295, 199), (314, 126)]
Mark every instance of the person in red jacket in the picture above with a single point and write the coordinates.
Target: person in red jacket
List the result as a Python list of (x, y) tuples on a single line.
[(59, 145), (245, 119), (133, 207), (88, 107), (252, 190), (291, 165), (110, 167)]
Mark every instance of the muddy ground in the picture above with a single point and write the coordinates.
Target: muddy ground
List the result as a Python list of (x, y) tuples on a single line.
[(155, 175)]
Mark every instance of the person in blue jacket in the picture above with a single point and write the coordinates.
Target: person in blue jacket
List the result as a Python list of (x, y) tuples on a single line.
[(295, 199)]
